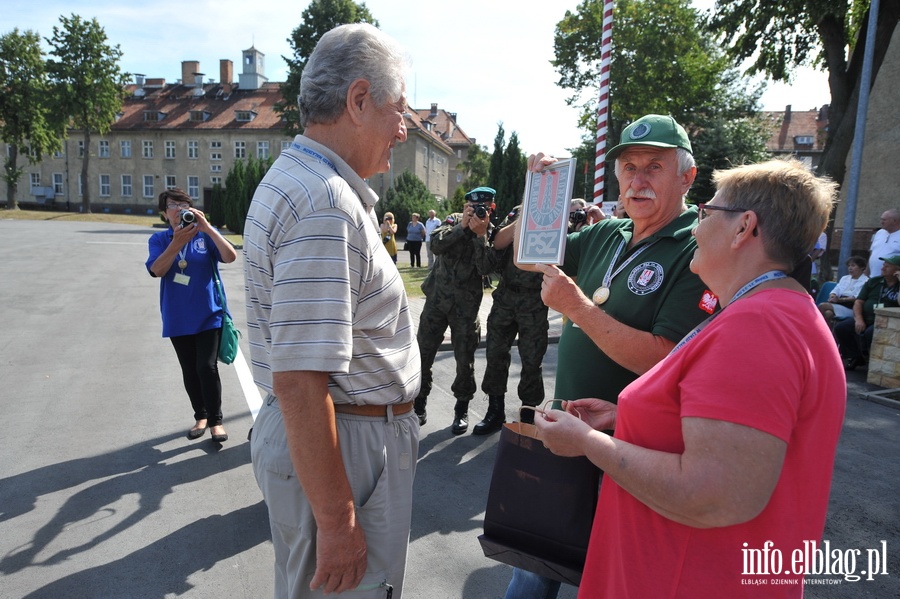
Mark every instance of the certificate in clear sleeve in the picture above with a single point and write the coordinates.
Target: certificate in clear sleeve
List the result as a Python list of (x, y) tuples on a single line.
[(545, 213)]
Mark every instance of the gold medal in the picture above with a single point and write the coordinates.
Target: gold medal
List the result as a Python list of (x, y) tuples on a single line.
[(601, 295), (182, 264)]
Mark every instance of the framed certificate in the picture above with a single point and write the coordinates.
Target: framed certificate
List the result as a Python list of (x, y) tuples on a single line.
[(545, 214)]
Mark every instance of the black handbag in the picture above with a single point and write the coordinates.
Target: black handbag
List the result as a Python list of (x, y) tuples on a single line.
[(540, 507)]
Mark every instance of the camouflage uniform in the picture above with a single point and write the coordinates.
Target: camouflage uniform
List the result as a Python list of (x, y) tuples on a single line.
[(453, 295), (517, 309)]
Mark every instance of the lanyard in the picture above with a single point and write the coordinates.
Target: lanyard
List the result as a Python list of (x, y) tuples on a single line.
[(310, 152), (772, 275), (610, 275)]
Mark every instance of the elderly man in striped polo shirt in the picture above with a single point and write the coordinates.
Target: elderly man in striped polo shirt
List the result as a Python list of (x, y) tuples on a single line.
[(331, 338)]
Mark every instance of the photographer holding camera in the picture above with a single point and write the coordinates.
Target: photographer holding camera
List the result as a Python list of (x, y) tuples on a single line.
[(183, 258), (453, 293), (582, 214)]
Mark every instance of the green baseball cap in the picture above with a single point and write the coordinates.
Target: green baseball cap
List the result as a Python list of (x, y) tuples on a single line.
[(895, 260), (652, 130)]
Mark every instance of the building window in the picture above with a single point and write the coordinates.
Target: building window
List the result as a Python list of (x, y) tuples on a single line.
[(147, 148), (285, 145), (80, 185), (81, 149), (215, 181), (193, 148), (170, 182), (216, 168), (194, 187), (58, 154), (215, 145), (35, 181), (148, 186), (154, 115), (244, 116), (170, 149), (215, 155), (58, 184), (199, 116), (240, 149), (104, 186), (103, 148), (262, 149), (804, 140), (125, 149), (126, 186)]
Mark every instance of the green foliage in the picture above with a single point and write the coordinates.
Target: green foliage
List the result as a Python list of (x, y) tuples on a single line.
[(320, 17), (507, 172), (662, 62), (477, 166), (409, 194), (234, 198), (724, 144), (25, 119), (88, 87), (216, 212), (457, 202)]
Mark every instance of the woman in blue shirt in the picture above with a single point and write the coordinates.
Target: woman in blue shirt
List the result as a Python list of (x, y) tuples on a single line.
[(415, 235), (182, 257)]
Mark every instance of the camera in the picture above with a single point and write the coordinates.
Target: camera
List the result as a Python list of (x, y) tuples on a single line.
[(187, 217), (481, 210), (578, 217)]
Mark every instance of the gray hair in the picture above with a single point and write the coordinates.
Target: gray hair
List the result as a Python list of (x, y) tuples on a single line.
[(685, 161), (343, 55)]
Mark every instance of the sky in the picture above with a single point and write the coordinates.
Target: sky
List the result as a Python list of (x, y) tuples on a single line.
[(486, 60)]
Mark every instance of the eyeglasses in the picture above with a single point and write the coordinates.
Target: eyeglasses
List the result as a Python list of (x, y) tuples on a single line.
[(181, 205), (702, 208)]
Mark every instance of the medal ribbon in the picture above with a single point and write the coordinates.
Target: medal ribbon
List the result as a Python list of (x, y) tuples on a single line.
[(772, 275), (610, 275)]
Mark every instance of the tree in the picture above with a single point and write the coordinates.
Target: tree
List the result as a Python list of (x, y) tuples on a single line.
[(409, 194), (234, 198), (781, 36), (88, 88), (495, 169), (320, 17), (661, 63), (515, 166), (477, 166), (25, 122)]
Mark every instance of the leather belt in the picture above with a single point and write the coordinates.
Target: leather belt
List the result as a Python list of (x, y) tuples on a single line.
[(379, 411)]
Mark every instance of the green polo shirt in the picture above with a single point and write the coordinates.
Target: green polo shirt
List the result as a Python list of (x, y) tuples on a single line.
[(655, 292), (874, 292)]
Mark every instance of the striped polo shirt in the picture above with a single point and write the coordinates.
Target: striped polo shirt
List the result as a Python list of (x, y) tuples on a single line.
[(322, 292)]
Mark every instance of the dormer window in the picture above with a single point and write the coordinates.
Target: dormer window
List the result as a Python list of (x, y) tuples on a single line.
[(244, 116), (199, 116), (154, 115), (804, 140)]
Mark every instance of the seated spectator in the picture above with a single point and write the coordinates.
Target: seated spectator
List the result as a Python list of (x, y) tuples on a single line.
[(854, 336), (840, 301)]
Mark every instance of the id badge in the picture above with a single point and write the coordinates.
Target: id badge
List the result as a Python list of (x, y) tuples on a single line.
[(182, 279)]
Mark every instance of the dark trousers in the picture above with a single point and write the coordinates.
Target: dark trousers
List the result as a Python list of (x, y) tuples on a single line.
[(415, 249), (852, 345), (198, 355)]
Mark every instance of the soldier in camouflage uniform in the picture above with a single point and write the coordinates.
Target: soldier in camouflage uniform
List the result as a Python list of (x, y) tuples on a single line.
[(453, 295), (517, 309)]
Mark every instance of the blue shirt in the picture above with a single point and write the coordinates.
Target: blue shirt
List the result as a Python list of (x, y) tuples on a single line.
[(192, 308), (415, 232)]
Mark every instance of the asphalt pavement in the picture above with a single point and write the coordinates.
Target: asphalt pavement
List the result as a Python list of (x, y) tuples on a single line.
[(102, 496)]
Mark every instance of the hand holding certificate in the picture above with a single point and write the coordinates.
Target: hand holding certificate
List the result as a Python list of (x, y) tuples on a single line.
[(545, 212)]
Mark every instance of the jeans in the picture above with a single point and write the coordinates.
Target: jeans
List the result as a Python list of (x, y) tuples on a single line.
[(528, 585)]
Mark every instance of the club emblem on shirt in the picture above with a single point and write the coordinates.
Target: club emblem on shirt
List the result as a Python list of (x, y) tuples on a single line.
[(199, 244), (708, 302), (646, 278)]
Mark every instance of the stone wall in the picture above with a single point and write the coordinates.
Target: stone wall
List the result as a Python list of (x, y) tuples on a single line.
[(884, 356)]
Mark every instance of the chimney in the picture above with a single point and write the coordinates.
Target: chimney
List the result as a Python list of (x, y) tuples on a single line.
[(139, 81), (188, 68), (787, 112), (226, 71), (433, 109)]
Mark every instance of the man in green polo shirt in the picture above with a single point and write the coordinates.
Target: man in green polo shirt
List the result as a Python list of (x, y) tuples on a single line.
[(635, 296)]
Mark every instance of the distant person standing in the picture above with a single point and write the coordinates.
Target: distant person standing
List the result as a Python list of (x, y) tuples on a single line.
[(389, 235), (885, 241), (183, 257), (431, 224), (415, 235)]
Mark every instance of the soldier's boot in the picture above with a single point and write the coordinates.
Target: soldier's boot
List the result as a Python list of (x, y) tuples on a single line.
[(495, 417), (526, 416), (419, 407), (460, 417)]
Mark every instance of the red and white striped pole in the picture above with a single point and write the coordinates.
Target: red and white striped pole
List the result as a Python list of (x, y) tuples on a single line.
[(603, 107)]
